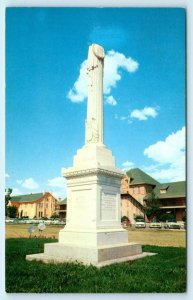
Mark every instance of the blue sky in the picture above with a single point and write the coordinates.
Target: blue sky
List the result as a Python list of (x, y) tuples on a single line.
[(144, 96)]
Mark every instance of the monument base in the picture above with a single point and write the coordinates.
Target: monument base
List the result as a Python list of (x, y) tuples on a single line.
[(93, 238), (99, 257)]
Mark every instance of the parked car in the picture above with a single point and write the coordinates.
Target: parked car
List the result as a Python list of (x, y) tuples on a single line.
[(172, 225), (48, 222), (29, 221), (182, 224), (62, 222), (9, 220), (140, 224), (55, 222), (155, 225)]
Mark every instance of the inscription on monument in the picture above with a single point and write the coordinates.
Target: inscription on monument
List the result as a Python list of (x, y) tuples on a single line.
[(108, 206), (80, 202)]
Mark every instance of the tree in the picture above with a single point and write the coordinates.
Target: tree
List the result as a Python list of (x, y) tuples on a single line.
[(7, 198), (163, 217), (152, 206), (55, 216), (12, 211)]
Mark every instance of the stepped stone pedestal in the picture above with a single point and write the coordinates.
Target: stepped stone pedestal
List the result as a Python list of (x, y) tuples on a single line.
[(93, 233)]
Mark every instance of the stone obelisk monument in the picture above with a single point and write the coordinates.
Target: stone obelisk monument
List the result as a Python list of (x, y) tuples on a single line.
[(94, 122), (93, 233)]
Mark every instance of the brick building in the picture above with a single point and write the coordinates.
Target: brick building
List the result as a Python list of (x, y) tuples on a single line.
[(63, 209), (136, 187)]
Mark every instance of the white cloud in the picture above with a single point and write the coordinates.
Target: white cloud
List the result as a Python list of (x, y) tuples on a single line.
[(144, 113), (19, 181), (16, 192), (170, 150), (123, 118), (59, 184), (79, 91), (169, 156), (114, 63), (28, 183), (173, 172), (111, 100), (7, 175), (150, 168), (127, 165)]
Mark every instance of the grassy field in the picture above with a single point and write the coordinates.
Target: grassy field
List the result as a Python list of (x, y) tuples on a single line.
[(176, 238), (20, 231), (165, 272)]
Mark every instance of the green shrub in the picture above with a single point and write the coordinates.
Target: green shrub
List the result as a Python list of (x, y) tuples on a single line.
[(124, 218)]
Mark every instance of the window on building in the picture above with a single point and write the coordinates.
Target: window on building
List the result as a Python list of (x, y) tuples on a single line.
[(133, 190), (46, 205), (148, 189), (139, 189)]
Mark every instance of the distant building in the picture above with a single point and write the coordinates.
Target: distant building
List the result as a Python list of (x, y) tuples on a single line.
[(136, 187), (39, 205), (63, 209)]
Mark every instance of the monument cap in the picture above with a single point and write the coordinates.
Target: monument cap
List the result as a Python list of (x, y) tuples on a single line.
[(98, 51)]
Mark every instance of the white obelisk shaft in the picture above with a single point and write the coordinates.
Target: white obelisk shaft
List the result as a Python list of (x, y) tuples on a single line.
[(94, 122), (93, 233)]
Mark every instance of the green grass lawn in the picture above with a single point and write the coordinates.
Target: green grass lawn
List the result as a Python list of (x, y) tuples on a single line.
[(165, 272)]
